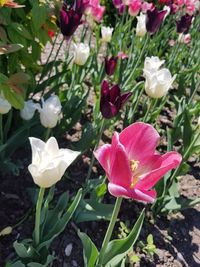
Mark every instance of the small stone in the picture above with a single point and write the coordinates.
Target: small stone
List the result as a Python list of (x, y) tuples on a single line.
[(74, 263), (68, 249)]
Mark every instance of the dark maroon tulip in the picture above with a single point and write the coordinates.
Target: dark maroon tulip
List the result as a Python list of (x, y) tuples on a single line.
[(111, 100), (154, 19), (183, 25), (110, 65), (69, 21), (70, 18)]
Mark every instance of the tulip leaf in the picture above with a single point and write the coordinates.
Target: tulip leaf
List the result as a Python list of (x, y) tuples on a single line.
[(179, 203), (61, 222), (39, 15), (117, 249), (90, 210), (90, 252), (25, 249)]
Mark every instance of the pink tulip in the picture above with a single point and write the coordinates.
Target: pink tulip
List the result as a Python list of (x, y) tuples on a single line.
[(134, 7), (95, 9), (133, 165)]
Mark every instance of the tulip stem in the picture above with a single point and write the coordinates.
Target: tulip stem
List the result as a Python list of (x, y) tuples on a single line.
[(38, 215), (110, 228), (93, 158), (47, 134), (1, 128), (138, 61)]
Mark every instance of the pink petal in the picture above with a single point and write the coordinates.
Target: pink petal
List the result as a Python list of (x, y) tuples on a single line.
[(160, 167), (140, 140), (103, 156), (120, 170), (140, 195)]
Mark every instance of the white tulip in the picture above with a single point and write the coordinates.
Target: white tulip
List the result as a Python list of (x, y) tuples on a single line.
[(152, 64), (49, 162), (157, 84), (106, 33), (29, 109), (141, 25), (50, 113), (168, 9), (5, 106), (81, 53)]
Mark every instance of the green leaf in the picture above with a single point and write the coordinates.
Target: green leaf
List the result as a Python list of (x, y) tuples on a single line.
[(150, 239), (39, 16), (9, 48), (24, 250), (62, 222), (21, 30), (49, 260), (16, 264), (180, 203), (90, 210), (120, 247), (90, 252), (15, 99)]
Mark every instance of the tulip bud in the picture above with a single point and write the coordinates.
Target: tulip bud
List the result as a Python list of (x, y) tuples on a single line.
[(81, 53), (110, 65), (141, 25), (29, 109), (50, 113), (5, 106), (49, 162), (106, 33), (158, 83)]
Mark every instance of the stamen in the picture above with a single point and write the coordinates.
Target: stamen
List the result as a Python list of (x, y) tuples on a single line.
[(134, 164)]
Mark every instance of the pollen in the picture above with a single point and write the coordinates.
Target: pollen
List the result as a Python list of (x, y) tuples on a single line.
[(134, 165)]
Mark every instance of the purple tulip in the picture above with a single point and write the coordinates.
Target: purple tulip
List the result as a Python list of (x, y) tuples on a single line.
[(110, 65), (70, 18), (154, 19), (111, 100), (184, 24)]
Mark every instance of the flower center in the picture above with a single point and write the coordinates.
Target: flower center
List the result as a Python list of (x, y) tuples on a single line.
[(134, 165)]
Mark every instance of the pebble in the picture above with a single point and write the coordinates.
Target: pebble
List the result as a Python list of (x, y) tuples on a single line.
[(68, 249)]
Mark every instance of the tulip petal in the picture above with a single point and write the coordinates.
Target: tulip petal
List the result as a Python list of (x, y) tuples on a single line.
[(140, 195), (68, 155), (159, 168), (37, 146), (114, 93), (104, 88), (140, 140), (103, 156), (52, 146), (120, 170), (125, 97)]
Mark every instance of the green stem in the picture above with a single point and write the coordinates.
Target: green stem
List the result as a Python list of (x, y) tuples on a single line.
[(38, 215), (1, 129), (47, 134), (148, 110), (93, 158), (110, 228), (138, 61)]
